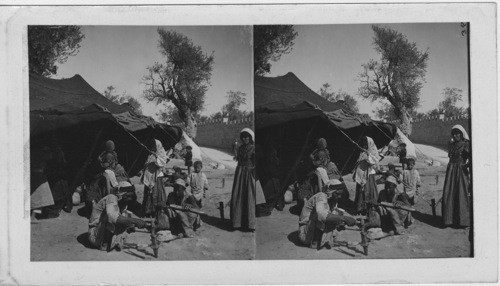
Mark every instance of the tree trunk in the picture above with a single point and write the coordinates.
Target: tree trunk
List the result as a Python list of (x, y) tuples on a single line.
[(405, 125), (190, 124)]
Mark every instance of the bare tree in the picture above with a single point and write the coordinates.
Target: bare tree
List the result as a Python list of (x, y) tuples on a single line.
[(182, 80), (398, 77)]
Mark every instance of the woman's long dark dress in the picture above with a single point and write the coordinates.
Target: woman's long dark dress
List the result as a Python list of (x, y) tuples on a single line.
[(455, 204), (243, 195)]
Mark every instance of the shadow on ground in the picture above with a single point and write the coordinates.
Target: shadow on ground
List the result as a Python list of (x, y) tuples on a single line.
[(84, 211), (294, 238), (217, 222), (295, 210), (428, 219), (83, 239)]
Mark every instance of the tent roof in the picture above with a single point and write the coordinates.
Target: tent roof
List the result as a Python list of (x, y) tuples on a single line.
[(66, 95), (80, 118), (290, 116), (287, 91)]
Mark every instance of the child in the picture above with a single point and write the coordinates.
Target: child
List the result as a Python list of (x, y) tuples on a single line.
[(411, 180), (183, 222), (391, 220), (402, 154), (320, 156), (198, 183), (188, 158), (393, 172)]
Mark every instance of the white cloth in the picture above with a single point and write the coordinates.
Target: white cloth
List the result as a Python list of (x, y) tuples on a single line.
[(112, 177), (367, 162), (259, 194), (41, 197), (161, 155), (459, 127), (249, 131), (149, 178), (323, 174)]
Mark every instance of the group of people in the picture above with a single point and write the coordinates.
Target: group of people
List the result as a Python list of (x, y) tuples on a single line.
[(114, 203), (390, 208), (323, 202)]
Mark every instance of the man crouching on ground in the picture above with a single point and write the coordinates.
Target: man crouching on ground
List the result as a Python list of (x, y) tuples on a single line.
[(107, 223), (320, 217), (184, 221)]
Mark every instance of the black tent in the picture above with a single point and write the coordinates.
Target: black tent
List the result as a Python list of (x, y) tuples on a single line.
[(72, 114), (291, 117)]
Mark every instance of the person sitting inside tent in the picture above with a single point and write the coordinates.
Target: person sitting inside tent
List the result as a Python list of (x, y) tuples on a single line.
[(390, 219), (182, 221), (111, 177), (320, 218), (320, 157), (109, 160), (313, 184), (109, 221)]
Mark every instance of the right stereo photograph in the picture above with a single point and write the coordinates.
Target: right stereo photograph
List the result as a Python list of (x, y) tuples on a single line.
[(362, 141)]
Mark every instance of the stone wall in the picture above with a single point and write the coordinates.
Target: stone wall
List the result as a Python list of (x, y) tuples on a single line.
[(220, 134), (435, 130)]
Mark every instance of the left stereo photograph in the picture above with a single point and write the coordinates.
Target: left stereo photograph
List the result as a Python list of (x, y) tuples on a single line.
[(141, 143)]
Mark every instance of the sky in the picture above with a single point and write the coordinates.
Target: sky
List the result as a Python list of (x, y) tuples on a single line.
[(119, 55), (335, 53)]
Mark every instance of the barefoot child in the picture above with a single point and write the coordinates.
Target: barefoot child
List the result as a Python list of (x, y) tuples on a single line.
[(198, 183), (411, 183)]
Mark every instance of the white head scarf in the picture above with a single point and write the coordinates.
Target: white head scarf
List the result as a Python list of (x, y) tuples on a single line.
[(249, 131), (373, 156), (464, 133)]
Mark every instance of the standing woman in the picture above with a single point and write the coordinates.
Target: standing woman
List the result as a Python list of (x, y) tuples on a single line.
[(455, 205), (364, 175), (152, 178), (243, 202)]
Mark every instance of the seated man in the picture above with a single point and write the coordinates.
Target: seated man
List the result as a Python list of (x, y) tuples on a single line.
[(107, 224), (182, 221), (320, 217), (391, 220)]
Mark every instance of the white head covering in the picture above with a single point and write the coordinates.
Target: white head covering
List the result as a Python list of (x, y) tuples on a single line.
[(464, 133), (249, 131), (180, 182), (392, 179), (373, 155)]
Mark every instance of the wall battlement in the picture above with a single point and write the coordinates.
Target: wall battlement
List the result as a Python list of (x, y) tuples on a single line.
[(436, 130), (221, 133)]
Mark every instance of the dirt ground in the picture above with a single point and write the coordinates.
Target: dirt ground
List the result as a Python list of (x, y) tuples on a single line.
[(277, 234), (276, 237), (64, 238)]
